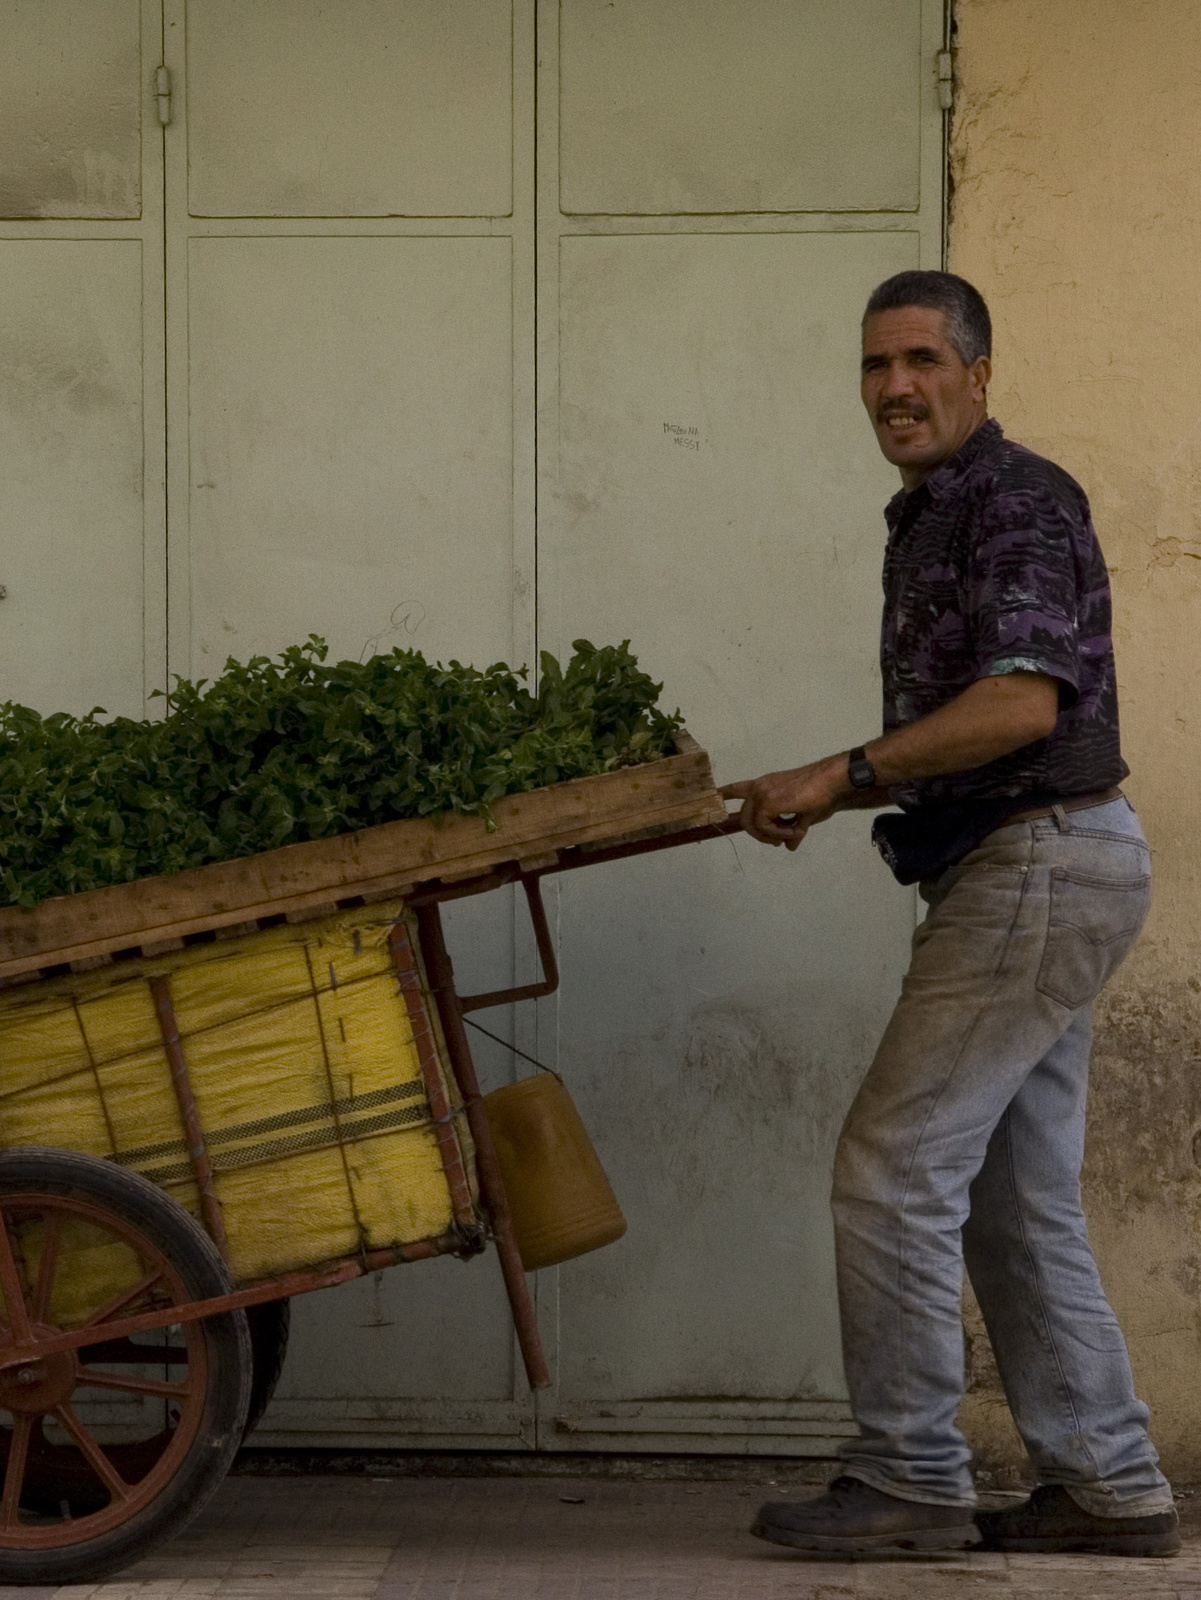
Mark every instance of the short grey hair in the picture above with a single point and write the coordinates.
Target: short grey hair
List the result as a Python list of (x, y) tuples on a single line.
[(969, 326)]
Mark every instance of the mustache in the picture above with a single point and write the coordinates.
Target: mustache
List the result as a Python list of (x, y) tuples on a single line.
[(896, 408)]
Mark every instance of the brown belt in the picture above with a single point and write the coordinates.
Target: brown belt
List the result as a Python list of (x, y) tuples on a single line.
[(1077, 802)]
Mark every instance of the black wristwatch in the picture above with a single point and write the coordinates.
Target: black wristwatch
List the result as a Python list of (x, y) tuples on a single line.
[(859, 769)]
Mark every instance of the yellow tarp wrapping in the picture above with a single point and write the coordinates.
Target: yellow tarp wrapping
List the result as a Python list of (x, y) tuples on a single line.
[(301, 1053)]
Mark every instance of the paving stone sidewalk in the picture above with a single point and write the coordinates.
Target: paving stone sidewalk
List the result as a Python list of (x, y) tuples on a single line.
[(348, 1538)]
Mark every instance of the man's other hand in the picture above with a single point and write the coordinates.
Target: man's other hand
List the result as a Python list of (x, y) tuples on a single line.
[(781, 807)]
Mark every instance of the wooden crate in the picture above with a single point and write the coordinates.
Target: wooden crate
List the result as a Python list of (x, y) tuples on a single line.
[(153, 914)]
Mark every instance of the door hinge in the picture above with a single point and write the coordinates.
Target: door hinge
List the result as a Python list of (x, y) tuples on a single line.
[(162, 95), (945, 67)]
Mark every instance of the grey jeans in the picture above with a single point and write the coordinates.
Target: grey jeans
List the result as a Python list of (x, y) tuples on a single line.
[(965, 1143)]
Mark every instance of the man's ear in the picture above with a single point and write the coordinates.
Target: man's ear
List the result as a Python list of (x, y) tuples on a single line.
[(981, 371)]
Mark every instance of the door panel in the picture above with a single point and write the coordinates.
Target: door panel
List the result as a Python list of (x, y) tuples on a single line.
[(71, 440), (364, 108), (82, 556), (71, 88), (352, 445), (712, 491), (352, 455), (402, 1358), (721, 489), (722, 496), (767, 105)]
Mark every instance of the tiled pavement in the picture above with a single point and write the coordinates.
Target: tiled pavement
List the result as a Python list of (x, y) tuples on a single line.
[(354, 1538)]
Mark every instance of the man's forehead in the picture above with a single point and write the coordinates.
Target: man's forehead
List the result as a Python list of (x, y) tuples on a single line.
[(902, 327)]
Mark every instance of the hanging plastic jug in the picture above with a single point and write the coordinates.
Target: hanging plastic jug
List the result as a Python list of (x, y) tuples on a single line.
[(561, 1202)]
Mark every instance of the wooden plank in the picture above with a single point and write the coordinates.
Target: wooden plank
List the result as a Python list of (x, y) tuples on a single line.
[(91, 963), (235, 930), (314, 913), (673, 793)]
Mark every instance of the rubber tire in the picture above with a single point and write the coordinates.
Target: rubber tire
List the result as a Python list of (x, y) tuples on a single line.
[(180, 1237), (269, 1325)]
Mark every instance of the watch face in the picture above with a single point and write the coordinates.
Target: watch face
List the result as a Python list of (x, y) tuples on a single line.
[(861, 773)]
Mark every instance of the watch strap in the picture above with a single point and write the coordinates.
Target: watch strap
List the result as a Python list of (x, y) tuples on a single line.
[(859, 769)]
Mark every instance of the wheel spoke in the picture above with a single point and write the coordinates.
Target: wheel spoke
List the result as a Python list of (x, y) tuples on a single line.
[(114, 1380), (125, 1352), (52, 1233), (12, 1288), (120, 1301), (97, 1460), (14, 1471)]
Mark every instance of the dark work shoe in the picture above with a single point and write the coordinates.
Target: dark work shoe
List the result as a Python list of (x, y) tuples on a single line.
[(1051, 1522), (853, 1519)]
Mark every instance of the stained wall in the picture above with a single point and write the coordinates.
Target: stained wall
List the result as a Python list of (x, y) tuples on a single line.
[(1076, 208)]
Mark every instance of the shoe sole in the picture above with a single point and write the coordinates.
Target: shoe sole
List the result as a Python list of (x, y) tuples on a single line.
[(1118, 1544), (914, 1541)]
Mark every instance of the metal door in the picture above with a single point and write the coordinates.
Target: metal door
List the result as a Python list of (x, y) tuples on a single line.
[(350, 355), (362, 206), (81, 356), (720, 187)]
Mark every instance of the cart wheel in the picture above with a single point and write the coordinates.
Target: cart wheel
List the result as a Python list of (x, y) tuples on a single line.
[(108, 1449), (269, 1326)]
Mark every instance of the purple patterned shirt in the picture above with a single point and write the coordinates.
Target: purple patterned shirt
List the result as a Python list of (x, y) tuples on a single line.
[(993, 566)]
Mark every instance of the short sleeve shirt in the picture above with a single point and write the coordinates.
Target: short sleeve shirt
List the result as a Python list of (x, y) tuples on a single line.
[(992, 566)]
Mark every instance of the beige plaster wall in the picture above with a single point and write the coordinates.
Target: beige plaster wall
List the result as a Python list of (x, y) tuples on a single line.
[(1076, 159)]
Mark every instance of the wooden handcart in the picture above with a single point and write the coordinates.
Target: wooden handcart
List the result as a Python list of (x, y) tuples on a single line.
[(188, 1333)]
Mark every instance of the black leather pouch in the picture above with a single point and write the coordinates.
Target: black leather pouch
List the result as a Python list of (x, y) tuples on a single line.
[(920, 845)]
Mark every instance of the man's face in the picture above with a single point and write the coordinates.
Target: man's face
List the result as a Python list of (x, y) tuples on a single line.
[(923, 402)]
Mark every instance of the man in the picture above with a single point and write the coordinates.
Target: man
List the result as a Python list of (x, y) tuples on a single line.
[(965, 1140)]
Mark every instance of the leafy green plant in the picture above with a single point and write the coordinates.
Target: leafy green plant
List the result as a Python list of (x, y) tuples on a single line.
[(273, 752)]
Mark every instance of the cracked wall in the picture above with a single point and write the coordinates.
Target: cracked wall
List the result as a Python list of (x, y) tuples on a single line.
[(1077, 211)]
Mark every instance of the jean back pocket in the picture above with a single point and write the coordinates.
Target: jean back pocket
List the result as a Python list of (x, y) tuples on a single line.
[(1093, 922)]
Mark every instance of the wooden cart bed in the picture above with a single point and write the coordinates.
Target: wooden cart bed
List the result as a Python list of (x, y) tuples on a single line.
[(153, 915)]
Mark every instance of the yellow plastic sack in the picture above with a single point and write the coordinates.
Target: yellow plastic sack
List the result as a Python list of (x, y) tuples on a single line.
[(301, 1054)]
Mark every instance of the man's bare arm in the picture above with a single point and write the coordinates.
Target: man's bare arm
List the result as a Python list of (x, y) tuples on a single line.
[(991, 718)]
